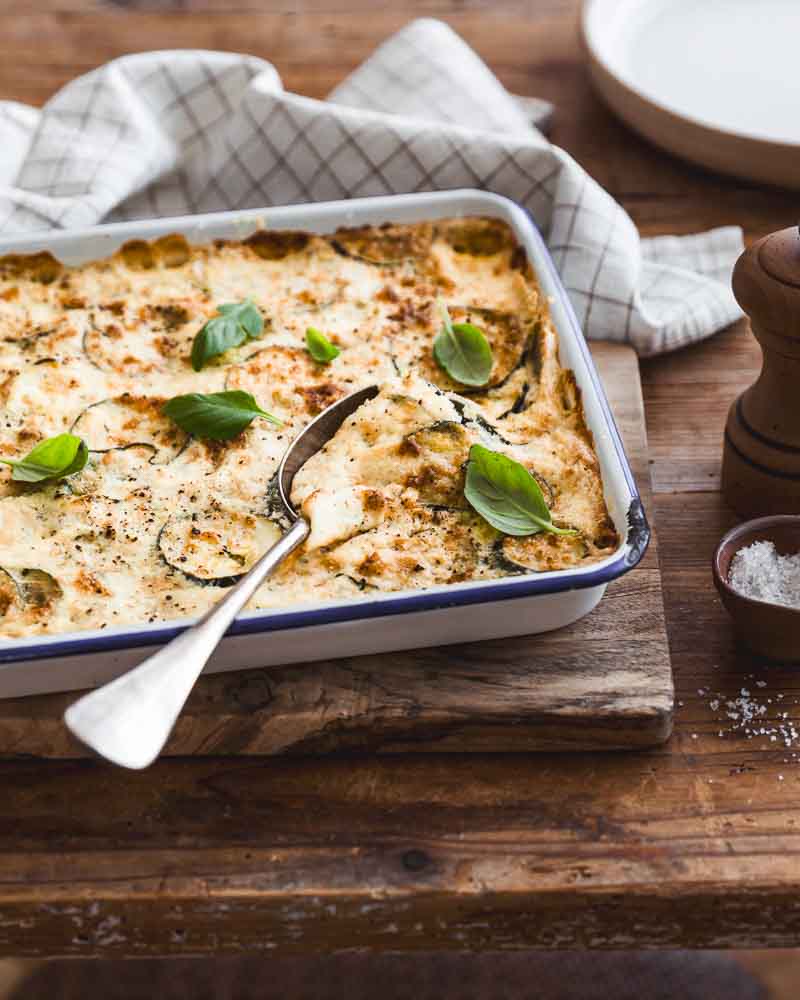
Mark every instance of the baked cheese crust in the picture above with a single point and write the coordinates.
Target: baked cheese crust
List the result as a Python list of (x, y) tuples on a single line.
[(158, 521)]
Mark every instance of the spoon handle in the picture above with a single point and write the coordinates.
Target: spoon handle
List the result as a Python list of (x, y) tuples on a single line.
[(129, 720)]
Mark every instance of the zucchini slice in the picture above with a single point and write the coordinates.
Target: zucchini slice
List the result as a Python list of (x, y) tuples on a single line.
[(216, 547), (164, 337), (41, 267), (31, 589), (427, 548), (477, 237), (47, 341), (507, 334), (9, 593), (387, 246), (538, 553), (438, 454), (128, 421), (51, 390)]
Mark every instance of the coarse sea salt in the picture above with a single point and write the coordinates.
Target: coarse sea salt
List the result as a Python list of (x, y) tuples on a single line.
[(759, 572)]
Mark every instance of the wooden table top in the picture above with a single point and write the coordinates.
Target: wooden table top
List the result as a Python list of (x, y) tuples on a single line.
[(692, 844)]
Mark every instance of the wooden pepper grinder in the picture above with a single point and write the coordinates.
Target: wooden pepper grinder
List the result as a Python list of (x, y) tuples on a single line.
[(761, 456)]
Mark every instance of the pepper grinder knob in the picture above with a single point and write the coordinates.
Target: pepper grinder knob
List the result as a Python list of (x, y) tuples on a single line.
[(761, 455)]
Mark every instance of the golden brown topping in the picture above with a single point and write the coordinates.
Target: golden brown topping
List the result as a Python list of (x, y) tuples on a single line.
[(73, 302), (372, 565), (373, 500), (172, 250), (386, 244), (138, 255), (42, 267), (172, 316), (89, 583), (276, 245), (320, 397), (478, 237)]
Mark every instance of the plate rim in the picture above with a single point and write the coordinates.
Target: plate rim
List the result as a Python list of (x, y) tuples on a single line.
[(686, 134)]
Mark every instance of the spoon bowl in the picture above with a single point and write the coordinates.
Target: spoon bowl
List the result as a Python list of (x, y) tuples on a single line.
[(314, 437), (129, 720)]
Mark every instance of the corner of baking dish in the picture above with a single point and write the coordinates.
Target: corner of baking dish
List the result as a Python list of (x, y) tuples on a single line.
[(628, 511)]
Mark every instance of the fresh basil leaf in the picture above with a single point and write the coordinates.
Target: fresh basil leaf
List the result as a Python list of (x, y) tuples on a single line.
[(506, 495), (53, 458), (463, 351), (319, 347), (219, 416), (236, 323)]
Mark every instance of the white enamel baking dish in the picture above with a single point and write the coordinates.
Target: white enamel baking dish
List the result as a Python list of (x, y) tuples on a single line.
[(403, 620)]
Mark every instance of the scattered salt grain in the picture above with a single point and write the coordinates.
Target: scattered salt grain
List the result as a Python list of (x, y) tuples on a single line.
[(758, 572), (752, 718)]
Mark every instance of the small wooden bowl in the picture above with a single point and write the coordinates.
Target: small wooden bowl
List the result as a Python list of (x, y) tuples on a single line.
[(767, 629)]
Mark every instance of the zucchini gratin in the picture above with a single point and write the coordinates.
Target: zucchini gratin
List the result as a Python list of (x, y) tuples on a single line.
[(158, 520)]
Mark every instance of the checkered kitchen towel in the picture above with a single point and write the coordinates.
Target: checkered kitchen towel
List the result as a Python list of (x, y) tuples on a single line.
[(164, 133)]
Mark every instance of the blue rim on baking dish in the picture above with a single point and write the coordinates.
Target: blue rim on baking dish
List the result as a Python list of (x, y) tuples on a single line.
[(101, 240)]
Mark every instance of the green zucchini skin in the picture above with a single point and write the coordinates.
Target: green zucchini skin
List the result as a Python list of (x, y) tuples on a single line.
[(447, 428), (30, 340), (499, 560), (479, 421), (446, 508), (343, 251), (273, 504), (86, 349), (519, 404), (358, 582), (202, 581)]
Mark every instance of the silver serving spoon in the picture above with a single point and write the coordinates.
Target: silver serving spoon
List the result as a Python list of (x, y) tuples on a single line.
[(129, 720)]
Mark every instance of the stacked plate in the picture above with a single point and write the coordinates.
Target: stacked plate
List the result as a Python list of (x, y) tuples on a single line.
[(715, 81)]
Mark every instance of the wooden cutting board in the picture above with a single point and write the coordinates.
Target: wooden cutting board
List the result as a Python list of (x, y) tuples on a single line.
[(604, 682)]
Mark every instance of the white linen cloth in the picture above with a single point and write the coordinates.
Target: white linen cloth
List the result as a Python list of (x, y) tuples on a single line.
[(176, 132)]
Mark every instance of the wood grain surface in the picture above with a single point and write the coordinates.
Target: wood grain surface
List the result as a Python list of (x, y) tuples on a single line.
[(694, 843), (604, 682)]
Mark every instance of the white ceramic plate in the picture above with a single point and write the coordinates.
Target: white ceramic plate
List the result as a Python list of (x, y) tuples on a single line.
[(715, 81)]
